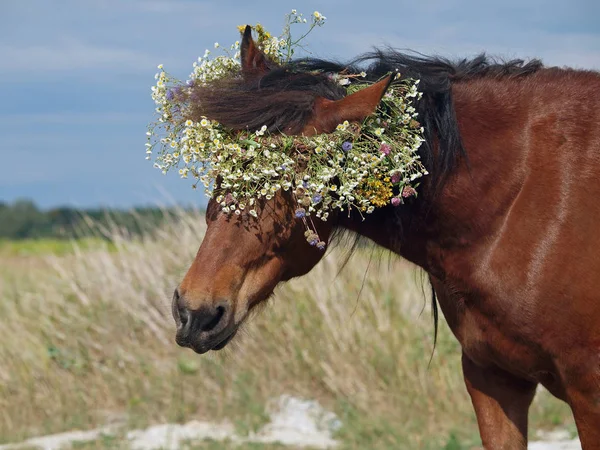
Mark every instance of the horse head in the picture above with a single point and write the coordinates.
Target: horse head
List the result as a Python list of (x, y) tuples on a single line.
[(242, 258)]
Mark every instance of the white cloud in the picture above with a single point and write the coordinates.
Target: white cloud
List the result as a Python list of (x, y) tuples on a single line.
[(578, 50), (67, 118), (70, 54), (168, 6)]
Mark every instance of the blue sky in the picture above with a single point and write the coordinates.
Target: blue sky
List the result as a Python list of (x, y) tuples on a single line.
[(76, 75)]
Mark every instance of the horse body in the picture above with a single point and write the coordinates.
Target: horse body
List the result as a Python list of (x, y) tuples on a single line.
[(506, 226), (508, 240), (526, 263), (512, 247)]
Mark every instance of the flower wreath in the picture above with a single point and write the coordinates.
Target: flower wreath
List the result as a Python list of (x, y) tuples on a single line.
[(356, 167)]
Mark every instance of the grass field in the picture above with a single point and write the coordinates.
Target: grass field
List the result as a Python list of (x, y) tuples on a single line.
[(57, 247), (87, 339)]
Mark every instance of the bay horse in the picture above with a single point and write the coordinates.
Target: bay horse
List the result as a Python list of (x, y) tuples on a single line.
[(505, 224)]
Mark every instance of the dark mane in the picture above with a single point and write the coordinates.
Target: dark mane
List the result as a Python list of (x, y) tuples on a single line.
[(283, 99), (436, 108)]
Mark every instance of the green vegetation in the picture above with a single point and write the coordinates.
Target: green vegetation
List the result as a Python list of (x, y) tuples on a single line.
[(110, 443), (23, 220), (52, 246), (87, 336)]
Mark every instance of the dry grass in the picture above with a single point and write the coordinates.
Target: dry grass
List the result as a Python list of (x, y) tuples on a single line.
[(88, 338)]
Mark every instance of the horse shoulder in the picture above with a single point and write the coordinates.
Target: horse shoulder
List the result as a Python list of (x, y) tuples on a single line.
[(520, 286)]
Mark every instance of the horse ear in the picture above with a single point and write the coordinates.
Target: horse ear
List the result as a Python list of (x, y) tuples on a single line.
[(353, 108), (254, 62)]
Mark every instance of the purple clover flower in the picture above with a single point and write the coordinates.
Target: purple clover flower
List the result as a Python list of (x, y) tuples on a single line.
[(408, 191), (385, 149), (395, 178), (347, 146), (396, 201), (300, 213)]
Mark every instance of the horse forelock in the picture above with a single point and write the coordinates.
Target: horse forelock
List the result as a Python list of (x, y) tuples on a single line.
[(281, 99)]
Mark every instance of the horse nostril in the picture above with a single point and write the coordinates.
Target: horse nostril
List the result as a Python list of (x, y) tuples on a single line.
[(212, 323), (200, 323), (184, 314), (180, 312)]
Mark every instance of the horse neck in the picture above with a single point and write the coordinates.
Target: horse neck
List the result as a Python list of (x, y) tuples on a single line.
[(439, 225)]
